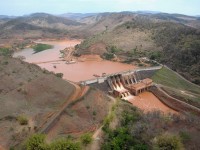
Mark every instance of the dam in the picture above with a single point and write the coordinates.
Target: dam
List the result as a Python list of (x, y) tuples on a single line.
[(126, 84), (133, 86)]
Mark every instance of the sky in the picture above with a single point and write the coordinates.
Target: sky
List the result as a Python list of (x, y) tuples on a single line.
[(23, 7)]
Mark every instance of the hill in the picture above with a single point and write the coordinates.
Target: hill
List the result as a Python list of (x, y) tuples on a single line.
[(29, 92), (169, 42), (32, 98), (34, 26), (42, 20)]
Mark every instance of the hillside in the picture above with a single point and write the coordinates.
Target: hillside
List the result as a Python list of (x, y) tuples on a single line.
[(31, 97), (35, 26), (169, 42), (177, 87), (105, 21), (41, 20), (27, 91)]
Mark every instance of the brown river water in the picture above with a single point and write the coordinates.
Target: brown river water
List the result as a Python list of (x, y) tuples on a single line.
[(76, 72)]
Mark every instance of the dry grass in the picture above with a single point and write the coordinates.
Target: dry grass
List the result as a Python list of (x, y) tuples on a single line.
[(27, 90)]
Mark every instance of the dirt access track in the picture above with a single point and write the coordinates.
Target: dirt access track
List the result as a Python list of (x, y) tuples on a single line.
[(86, 114), (79, 92)]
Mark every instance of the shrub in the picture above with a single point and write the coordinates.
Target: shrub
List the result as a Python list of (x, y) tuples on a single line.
[(36, 142), (60, 75), (5, 63), (86, 139), (114, 49), (156, 55), (88, 107), (108, 56), (168, 142), (22, 120), (5, 51), (94, 113), (184, 136), (64, 144)]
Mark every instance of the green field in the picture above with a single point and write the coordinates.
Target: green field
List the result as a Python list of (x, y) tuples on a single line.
[(41, 47), (177, 87), (168, 78)]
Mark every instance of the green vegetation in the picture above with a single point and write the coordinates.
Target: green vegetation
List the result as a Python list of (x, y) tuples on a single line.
[(181, 46), (184, 136), (37, 142), (60, 75), (5, 52), (64, 145), (168, 142), (113, 49), (109, 118), (22, 120), (168, 78), (86, 139), (177, 87), (41, 47), (156, 55), (108, 56), (155, 130), (121, 138)]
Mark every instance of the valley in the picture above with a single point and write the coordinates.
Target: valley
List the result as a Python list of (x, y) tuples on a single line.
[(110, 76)]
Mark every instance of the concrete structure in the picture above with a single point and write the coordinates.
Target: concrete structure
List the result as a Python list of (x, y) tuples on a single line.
[(106, 76), (139, 87), (126, 83)]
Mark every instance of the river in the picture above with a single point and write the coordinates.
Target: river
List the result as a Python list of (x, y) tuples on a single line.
[(76, 72)]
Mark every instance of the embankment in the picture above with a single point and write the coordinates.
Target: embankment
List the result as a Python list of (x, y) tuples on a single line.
[(174, 103)]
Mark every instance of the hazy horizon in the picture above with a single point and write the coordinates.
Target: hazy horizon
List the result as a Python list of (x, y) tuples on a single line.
[(25, 7)]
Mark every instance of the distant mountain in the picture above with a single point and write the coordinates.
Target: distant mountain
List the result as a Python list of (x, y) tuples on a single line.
[(41, 20), (37, 25), (7, 17), (76, 16), (147, 12)]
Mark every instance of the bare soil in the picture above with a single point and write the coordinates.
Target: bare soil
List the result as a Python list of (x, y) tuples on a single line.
[(86, 115)]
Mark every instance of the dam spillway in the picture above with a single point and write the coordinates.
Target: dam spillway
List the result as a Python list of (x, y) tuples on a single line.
[(128, 85)]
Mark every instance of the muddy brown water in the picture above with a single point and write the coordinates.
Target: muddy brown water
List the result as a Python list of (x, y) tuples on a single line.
[(149, 102), (46, 55), (76, 72)]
